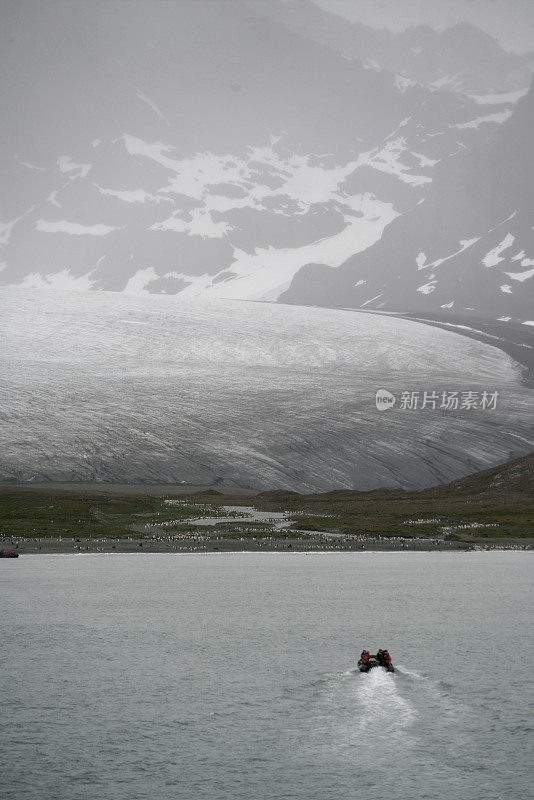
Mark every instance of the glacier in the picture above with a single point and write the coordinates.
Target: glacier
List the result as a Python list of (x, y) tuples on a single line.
[(99, 386)]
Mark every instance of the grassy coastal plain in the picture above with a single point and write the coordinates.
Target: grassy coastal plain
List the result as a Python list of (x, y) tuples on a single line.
[(490, 509)]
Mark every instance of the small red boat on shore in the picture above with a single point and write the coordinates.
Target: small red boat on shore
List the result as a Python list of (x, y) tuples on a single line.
[(8, 554)]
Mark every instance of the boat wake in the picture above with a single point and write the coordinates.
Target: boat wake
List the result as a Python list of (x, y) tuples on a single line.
[(438, 688), (379, 704), (364, 712), (413, 676), (381, 720)]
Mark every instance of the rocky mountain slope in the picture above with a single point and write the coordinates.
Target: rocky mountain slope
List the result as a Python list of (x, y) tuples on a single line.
[(462, 58), (511, 483), (469, 247), (203, 148)]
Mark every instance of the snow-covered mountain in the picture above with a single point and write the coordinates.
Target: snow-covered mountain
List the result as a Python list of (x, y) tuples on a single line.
[(204, 148), (468, 248), (462, 58)]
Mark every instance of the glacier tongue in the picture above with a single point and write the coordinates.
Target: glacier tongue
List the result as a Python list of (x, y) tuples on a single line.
[(162, 389)]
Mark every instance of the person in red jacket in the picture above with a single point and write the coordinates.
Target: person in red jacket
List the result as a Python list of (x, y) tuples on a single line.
[(385, 661)]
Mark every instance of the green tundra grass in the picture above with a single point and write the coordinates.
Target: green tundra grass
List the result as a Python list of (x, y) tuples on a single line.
[(494, 504)]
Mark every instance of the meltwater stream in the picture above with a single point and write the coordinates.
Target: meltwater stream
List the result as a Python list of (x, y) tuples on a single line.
[(227, 676)]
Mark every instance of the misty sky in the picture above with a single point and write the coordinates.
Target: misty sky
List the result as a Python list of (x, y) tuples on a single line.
[(510, 21)]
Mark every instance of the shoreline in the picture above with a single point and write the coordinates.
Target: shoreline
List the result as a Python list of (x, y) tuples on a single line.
[(283, 552), (267, 544)]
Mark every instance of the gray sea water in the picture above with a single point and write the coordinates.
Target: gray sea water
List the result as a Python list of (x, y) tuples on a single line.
[(232, 676)]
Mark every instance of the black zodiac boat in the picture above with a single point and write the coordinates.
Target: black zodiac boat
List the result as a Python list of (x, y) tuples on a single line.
[(381, 659)]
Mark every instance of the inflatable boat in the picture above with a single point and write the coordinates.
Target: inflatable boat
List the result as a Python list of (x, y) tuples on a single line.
[(365, 664)]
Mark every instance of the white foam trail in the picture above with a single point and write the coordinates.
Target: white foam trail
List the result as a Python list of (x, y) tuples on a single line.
[(380, 704), (416, 676), (434, 693)]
